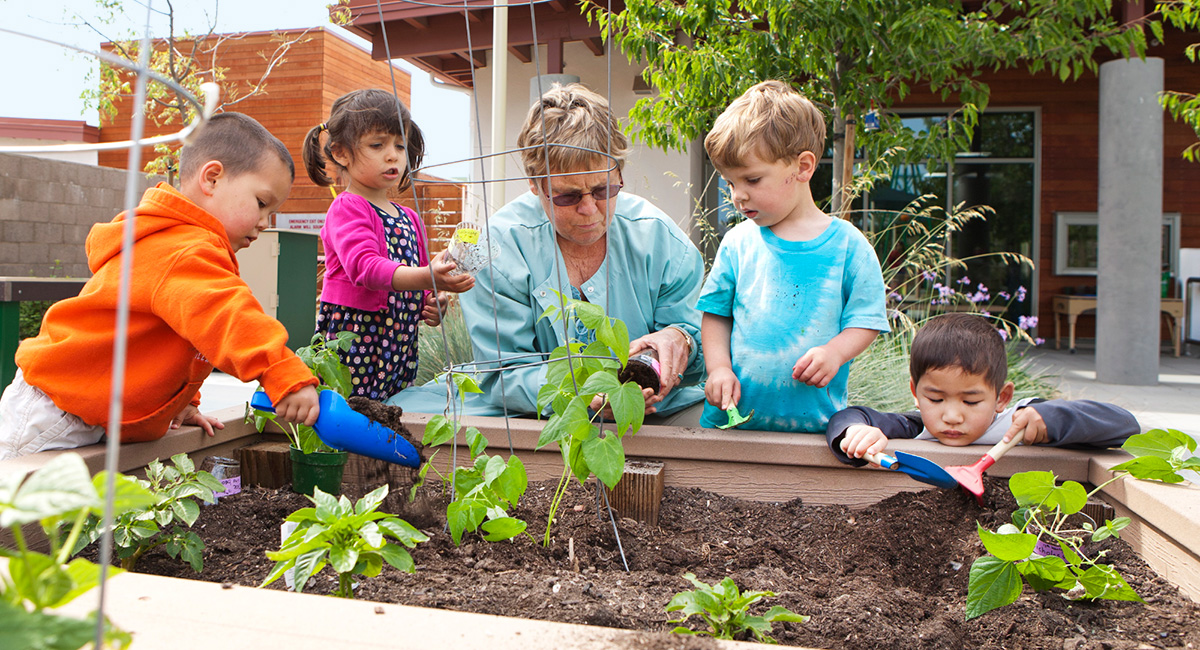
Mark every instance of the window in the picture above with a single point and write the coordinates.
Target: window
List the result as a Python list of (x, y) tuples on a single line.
[(1077, 236)]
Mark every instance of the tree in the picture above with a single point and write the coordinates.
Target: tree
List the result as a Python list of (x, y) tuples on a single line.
[(186, 58), (851, 56), (1182, 14)]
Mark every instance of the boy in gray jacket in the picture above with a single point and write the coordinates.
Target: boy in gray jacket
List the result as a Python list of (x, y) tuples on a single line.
[(959, 372)]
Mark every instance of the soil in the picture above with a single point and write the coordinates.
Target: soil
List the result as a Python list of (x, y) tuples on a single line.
[(640, 369), (888, 576), (388, 416)]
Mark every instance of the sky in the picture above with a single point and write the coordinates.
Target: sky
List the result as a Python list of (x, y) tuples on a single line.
[(50, 77)]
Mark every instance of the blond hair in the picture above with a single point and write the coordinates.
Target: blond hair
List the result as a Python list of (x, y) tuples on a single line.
[(770, 120), (574, 116)]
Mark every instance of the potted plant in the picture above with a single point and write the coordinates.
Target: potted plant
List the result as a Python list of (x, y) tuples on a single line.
[(315, 464)]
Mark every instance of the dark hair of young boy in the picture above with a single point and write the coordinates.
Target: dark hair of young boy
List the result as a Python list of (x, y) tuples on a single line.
[(357, 114), (235, 140), (965, 341)]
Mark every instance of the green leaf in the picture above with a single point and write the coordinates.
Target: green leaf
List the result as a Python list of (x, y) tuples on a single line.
[(1011, 547), (1158, 443), (512, 482), (572, 423), (993, 583), (21, 629), (1150, 468), (402, 531), (62, 485), (779, 613), (128, 492), (371, 501), (187, 511), (439, 430), (465, 383), (606, 458), (1104, 582), (1043, 573), (39, 580), (476, 441), (601, 382), (398, 557), (629, 408), (1111, 529), (502, 528), (343, 558), (1038, 489)]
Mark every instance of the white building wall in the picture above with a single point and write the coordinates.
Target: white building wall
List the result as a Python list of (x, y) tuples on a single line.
[(666, 178)]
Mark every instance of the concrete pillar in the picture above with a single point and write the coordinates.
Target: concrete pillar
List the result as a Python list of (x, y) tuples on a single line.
[(1130, 215)]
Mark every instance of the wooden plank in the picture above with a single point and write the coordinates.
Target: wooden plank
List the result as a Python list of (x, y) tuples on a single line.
[(266, 464), (638, 494)]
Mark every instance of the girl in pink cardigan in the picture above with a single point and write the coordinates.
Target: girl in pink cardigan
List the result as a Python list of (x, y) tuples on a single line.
[(378, 279)]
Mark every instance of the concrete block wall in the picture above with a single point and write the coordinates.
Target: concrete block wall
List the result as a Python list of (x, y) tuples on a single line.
[(47, 208)]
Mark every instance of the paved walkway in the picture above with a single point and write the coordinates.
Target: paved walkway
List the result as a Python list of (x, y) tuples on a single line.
[(1174, 403)]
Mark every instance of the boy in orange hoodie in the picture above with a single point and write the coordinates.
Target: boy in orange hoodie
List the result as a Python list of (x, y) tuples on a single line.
[(189, 310)]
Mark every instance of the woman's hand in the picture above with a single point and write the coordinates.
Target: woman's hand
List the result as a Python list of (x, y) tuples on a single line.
[(672, 347)]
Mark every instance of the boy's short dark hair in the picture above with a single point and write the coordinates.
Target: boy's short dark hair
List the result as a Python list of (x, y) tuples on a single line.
[(965, 341), (237, 141)]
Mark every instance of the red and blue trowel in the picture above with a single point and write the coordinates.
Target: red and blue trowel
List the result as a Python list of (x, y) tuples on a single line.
[(345, 429), (921, 469)]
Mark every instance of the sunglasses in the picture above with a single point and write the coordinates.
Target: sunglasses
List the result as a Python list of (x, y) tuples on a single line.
[(599, 193)]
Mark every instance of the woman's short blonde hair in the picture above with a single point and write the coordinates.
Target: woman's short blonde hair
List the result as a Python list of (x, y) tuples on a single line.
[(770, 120), (575, 116)]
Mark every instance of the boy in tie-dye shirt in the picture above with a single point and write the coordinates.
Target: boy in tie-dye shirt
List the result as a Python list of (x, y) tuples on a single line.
[(794, 295)]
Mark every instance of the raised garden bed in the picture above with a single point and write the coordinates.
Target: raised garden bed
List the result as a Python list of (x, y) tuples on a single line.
[(774, 468)]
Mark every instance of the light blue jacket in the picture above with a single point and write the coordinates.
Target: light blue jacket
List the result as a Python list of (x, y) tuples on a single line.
[(650, 279)]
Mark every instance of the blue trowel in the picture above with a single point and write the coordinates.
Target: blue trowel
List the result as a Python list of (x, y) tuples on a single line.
[(345, 429), (921, 469)]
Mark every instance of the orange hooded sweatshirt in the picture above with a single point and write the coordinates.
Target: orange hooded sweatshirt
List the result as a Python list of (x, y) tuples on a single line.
[(189, 311)]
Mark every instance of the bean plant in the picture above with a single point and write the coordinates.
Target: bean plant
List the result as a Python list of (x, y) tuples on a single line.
[(726, 610), (175, 489), (577, 374), (485, 490), (354, 540), (60, 497), (1045, 549)]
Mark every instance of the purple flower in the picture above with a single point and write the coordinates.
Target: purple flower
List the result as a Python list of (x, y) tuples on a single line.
[(1003, 333), (928, 276), (1027, 322), (1020, 294), (964, 280), (1005, 295), (1039, 341), (943, 290), (894, 296), (979, 296)]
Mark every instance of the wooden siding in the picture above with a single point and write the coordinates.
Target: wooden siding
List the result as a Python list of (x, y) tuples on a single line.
[(299, 93), (1070, 161)]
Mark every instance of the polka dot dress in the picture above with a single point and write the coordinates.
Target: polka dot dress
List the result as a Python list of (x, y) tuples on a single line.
[(384, 359)]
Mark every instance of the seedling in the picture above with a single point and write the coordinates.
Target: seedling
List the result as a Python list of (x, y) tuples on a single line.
[(727, 611), (578, 376), (175, 490), (735, 419), (60, 496), (321, 357), (1041, 522), (354, 540), (484, 491)]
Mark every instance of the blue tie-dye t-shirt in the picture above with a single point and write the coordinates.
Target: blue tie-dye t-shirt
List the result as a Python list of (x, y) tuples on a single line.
[(786, 297)]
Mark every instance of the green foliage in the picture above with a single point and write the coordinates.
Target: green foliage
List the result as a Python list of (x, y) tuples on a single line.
[(850, 57), (1042, 515), (174, 489), (30, 317), (60, 497), (577, 375), (484, 490), (321, 357), (354, 540), (1182, 106), (727, 611), (1159, 455)]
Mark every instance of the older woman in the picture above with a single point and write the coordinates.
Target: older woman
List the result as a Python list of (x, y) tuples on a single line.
[(576, 232)]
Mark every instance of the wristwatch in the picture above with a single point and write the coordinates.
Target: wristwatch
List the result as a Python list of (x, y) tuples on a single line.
[(687, 338)]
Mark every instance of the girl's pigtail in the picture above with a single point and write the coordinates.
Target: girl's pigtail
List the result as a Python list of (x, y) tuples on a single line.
[(314, 159), (414, 147)]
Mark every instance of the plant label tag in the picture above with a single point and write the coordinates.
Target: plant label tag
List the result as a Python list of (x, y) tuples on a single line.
[(285, 530)]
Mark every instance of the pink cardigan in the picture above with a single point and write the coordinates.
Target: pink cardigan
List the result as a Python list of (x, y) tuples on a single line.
[(358, 271)]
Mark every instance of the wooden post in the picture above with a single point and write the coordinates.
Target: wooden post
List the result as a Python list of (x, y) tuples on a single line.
[(266, 464), (638, 494)]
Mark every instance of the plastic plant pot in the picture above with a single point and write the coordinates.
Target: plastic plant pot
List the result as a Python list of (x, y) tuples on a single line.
[(321, 469)]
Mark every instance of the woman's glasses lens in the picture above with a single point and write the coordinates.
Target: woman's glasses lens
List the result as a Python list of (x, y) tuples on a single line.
[(573, 198)]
